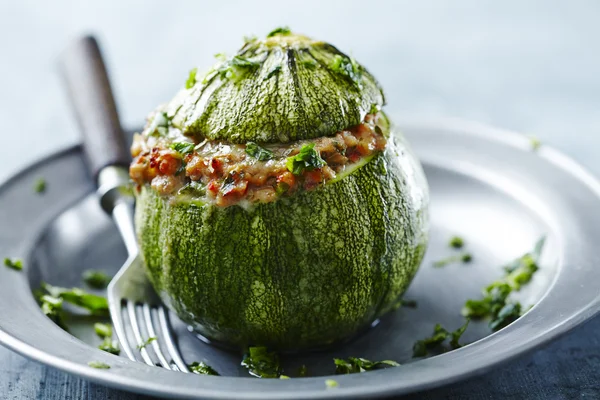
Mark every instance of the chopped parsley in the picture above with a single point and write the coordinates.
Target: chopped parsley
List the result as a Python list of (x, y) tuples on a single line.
[(202, 368), (104, 331), (436, 341), (354, 365), (160, 124), (281, 31), (457, 242), (274, 71), (191, 80), (13, 263), (96, 279), (98, 365), (260, 153), (534, 142), (96, 305), (330, 383), (307, 159), (146, 343), (495, 304), (348, 67), (40, 185), (463, 257), (182, 148), (250, 39), (52, 307), (236, 68), (262, 363)]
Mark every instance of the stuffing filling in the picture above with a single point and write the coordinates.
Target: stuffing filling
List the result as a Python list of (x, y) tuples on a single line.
[(227, 174)]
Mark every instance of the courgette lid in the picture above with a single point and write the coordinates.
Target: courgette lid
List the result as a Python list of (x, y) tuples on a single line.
[(283, 88)]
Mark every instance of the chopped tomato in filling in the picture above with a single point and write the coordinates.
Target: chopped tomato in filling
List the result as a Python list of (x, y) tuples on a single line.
[(226, 173)]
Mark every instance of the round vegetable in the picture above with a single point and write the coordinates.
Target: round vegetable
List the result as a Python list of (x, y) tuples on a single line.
[(315, 265)]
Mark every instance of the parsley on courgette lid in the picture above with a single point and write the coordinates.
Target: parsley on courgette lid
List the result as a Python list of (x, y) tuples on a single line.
[(282, 88)]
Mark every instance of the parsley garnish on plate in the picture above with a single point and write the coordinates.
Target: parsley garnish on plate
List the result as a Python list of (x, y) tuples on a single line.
[(146, 342), (98, 365), (262, 363), (307, 159), (95, 279), (40, 185), (104, 331), (13, 263), (463, 257), (436, 341), (354, 365), (202, 368), (330, 383), (457, 242), (495, 304), (260, 153)]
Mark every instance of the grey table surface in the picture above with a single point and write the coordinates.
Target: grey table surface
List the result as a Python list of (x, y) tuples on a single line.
[(530, 66)]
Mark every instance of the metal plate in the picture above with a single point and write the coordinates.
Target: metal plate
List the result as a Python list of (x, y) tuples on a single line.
[(486, 185)]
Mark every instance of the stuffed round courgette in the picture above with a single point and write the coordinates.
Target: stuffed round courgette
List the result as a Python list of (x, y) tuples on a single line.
[(276, 204)]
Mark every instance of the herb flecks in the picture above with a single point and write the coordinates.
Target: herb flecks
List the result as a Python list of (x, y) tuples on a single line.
[(105, 332), (160, 124), (495, 304), (307, 159), (281, 31), (234, 69), (96, 305), (534, 142), (98, 365), (202, 368), (354, 365), (437, 340), (182, 148), (95, 279), (52, 298), (146, 342), (40, 185), (330, 383), (13, 263), (274, 71), (348, 67), (456, 242), (463, 257), (262, 363), (258, 152), (191, 80)]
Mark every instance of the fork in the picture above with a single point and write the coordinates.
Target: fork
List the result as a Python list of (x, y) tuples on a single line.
[(136, 310)]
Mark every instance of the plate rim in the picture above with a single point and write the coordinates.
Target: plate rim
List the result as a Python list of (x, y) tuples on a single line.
[(109, 378)]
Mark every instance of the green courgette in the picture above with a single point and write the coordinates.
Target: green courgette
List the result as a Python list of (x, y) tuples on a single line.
[(308, 269)]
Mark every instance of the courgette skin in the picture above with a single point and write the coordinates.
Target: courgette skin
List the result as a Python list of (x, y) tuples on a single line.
[(292, 88), (297, 273)]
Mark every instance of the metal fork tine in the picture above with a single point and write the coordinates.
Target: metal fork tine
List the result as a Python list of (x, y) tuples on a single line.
[(137, 333), (152, 333), (168, 336), (119, 327)]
